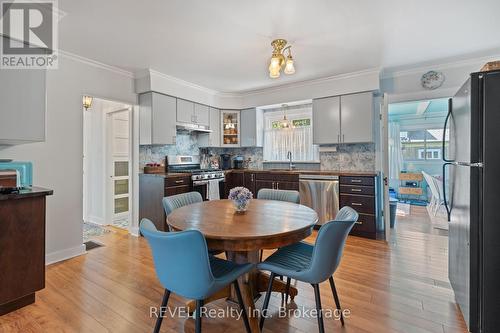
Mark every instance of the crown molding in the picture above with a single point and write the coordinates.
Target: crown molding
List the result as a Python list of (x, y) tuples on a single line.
[(304, 83), (95, 63), (393, 73), (182, 82)]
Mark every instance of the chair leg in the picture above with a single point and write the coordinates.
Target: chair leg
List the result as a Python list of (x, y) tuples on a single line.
[(199, 304), (336, 297), (242, 306), (266, 300), (164, 302), (287, 290), (318, 308)]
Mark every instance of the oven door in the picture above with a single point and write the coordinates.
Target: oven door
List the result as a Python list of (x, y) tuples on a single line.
[(201, 186)]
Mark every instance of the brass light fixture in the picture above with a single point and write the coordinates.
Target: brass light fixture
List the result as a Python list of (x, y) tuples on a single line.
[(285, 123), (278, 59), (87, 102)]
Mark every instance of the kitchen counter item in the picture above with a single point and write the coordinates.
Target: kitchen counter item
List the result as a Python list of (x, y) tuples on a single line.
[(321, 193)]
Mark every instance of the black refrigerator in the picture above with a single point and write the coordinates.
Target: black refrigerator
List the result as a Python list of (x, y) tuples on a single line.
[(471, 175)]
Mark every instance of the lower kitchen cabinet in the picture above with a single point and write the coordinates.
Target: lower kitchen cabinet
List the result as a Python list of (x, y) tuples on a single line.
[(256, 181), (360, 193), (152, 189)]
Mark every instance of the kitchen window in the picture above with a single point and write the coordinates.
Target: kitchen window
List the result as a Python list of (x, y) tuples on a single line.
[(279, 141)]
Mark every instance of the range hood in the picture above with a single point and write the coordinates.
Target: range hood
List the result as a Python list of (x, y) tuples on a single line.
[(193, 128)]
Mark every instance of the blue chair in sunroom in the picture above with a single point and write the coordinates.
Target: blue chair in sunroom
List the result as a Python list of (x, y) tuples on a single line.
[(184, 266), (312, 264)]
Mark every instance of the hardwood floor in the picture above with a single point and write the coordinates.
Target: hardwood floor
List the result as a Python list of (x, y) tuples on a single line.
[(400, 287)]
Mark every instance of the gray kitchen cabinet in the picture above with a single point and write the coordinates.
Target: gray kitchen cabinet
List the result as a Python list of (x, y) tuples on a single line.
[(23, 106), (343, 119), (252, 122), (201, 114), (157, 119), (211, 139), (356, 112), (326, 120), (185, 111)]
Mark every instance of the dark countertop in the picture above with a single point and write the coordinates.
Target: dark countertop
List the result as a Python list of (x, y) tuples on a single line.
[(27, 193), (166, 174), (306, 172)]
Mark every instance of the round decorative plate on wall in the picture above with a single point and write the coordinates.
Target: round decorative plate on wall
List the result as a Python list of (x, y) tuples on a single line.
[(432, 80)]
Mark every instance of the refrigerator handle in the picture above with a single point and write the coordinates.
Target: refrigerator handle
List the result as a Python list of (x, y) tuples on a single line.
[(443, 142), (446, 205)]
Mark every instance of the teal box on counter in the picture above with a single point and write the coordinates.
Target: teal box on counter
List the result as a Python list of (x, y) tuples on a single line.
[(24, 172)]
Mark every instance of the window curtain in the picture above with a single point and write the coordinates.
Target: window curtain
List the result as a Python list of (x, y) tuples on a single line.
[(278, 142), (395, 154)]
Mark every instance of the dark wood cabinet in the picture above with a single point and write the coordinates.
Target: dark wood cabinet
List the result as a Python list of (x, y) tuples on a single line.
[(152, 189), (260, 184), (359, 192), (22, 248), (249, 182)]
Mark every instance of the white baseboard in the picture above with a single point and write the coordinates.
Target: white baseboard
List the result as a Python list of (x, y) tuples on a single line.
[(134, 231), (56, 256)]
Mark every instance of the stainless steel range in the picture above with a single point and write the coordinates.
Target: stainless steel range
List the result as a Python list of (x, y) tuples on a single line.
[(200, 177)]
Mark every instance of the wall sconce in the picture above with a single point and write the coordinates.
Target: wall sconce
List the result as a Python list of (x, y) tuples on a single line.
[(87, 102)]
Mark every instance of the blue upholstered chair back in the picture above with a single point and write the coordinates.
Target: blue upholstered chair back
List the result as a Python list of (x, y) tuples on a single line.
[(181, 260), (330, 243), (280, 195), (179, 200)]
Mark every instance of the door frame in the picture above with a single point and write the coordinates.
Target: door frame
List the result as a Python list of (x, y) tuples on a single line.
[(384, 133), (134, 158)]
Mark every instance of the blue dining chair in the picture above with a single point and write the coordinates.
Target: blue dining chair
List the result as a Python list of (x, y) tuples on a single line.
[(280, 195), (180, 200), (312, 264), (184, 267), (173, 202)]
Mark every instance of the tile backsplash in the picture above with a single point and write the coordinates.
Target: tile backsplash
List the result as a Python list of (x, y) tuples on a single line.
[(348, 157)]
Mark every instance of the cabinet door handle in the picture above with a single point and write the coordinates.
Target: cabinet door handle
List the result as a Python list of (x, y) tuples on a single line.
[(355, 190), (355, 180), (179, 181), (277, 185), (359, 222), (356, 204), (338, 138)]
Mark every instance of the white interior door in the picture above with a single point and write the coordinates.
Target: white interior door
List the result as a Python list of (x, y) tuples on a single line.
[(384, 132), (118, 167)]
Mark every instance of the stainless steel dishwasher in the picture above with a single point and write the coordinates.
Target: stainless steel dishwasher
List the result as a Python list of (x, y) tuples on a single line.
[(321, 193)]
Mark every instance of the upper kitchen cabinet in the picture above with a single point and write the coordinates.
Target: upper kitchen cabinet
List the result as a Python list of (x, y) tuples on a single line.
[(230, 135), (192, 113), (185, 111), (343, 119), (252, 122), (157, 118), (326, 120), (23, 106), (211, 139), (202, 114), (357, 118)]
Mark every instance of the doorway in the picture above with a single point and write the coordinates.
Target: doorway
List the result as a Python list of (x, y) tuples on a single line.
[(416, 140), (107, 165)]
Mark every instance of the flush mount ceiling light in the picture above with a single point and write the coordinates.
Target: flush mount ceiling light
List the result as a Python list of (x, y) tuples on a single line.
[(87, 102), (278, 59)]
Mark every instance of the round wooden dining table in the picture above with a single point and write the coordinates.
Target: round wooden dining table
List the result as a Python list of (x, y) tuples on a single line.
[(267, 224)]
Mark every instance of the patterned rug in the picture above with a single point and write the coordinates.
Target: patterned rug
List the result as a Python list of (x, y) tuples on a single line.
[(92, 230)]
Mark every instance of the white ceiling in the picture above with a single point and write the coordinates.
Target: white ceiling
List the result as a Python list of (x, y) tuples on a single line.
[(225, 44)]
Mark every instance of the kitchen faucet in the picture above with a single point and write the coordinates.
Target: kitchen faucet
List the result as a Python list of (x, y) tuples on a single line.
[(289, 156)]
